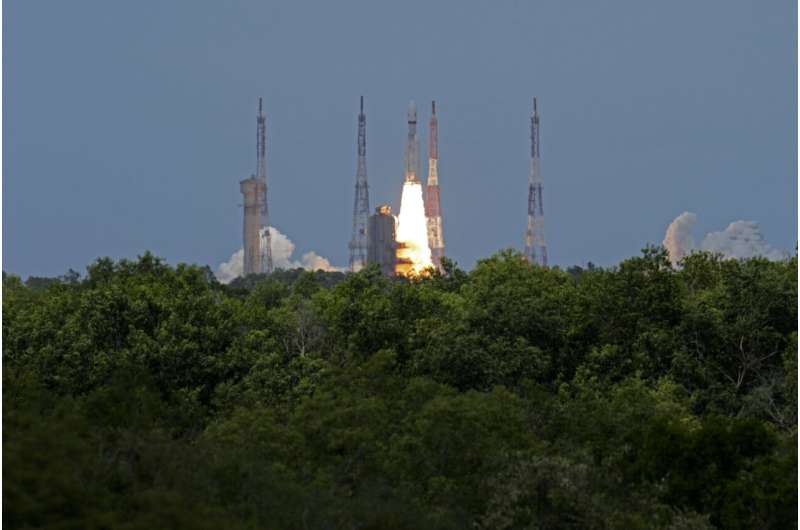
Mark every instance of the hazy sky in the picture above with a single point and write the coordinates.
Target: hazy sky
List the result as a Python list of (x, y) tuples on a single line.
[(128, 125)]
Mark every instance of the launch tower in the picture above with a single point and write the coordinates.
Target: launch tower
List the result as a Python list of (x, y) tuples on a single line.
[(257, 240), (358, 242), (535, 248), (433, 212), (382, 247)]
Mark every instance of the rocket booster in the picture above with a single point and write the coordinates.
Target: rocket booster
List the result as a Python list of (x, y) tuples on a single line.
[(412, 146)]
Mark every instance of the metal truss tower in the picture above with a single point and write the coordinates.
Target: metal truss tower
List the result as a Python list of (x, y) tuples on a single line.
[(358, 242), (257, 247), (433, 212), (261, 175), (535, 247)]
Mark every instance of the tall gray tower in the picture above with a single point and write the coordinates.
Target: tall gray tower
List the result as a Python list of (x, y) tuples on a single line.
[(358, 241), (257, 239), (261, 175), (433, 210), (535, 247)]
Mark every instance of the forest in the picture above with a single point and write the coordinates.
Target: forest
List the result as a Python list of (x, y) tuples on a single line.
[(141, 396)]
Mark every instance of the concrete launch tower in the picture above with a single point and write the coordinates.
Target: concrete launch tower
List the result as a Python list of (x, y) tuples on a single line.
[(535, 248), (382, 247), (257, 239), (433, 212), (359, 241)]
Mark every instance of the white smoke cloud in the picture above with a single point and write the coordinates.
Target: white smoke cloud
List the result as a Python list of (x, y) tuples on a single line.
[(678, 240), (231, 269), (741, 239), (282, 250)]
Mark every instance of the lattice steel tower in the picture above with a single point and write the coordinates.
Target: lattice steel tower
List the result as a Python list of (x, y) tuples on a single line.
[(358, 242), (535, 248), (261, 175), (433, 211)]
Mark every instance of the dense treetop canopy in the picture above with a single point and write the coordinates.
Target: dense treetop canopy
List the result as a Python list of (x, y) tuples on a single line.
[(511, 397)]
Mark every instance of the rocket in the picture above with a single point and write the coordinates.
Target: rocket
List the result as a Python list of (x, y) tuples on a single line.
[(412, 147)]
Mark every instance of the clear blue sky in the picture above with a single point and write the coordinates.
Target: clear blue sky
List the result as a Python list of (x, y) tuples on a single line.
[(127, 125)]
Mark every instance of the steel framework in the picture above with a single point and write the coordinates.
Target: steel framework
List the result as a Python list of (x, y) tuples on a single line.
[(359, 239), (433, 211), (261, 175), (535, 247)]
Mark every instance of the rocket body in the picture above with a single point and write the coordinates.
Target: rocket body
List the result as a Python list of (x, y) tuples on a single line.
[(413, 253), (412, 147)]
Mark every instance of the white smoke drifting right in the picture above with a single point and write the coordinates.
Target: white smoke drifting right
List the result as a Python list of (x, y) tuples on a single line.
[(741, 239), (282, 250)]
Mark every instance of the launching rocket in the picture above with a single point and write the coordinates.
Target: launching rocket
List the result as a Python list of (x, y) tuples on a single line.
[(413, 253), (412, 146)]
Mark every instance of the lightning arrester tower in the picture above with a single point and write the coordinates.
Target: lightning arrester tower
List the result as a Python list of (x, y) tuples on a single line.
[(261, 174), (257, 240), (535, 247), (359, 240), (433, 212)]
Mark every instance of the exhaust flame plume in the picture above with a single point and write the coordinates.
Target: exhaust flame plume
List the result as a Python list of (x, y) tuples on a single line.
[(413, 252)]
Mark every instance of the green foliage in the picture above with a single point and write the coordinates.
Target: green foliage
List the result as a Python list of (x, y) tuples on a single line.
[(510, 397), (287, 277), (728, 467)]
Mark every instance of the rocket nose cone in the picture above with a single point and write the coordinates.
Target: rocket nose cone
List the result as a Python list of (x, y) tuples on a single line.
[(412, 110)]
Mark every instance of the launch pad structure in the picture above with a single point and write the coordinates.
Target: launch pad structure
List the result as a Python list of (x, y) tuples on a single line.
[(256, 235), (381, 238), (382, 245), (359, 239), (409, 251), (535, 247), (433, 210)]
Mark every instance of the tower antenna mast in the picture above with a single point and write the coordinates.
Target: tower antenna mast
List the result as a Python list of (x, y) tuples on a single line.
[(433, 212), (261, 175), (535, 247), (358, 241)]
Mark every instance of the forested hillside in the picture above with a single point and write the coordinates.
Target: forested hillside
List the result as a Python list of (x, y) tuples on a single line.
[(144, 396)]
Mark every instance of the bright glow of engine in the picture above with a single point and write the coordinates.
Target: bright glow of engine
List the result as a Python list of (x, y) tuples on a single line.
[(413, 252)]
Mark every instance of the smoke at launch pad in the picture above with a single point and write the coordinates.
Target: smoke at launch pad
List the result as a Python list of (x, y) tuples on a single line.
[(416, 243)]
